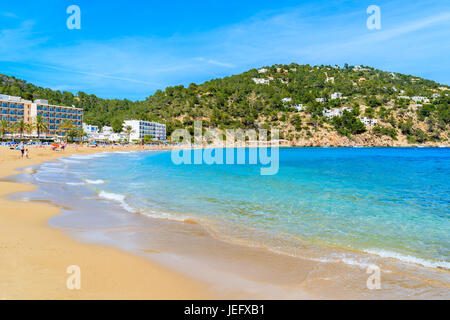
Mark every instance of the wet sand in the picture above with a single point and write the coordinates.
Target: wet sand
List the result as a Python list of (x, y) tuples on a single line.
[(168, 259), (34, 257)]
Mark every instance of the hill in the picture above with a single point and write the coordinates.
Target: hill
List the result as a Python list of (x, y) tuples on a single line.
[(297, 99)]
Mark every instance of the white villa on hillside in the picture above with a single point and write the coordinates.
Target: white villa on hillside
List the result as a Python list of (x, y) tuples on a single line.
[(262, 70), (334, 112), (369, 122), (336, 95), (420, 99), (321, 99), (261, 81), (286, 100), (299, 107), (359, 68)]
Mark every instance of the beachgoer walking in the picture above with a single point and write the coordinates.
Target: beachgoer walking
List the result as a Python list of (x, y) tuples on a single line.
[(22, 149)]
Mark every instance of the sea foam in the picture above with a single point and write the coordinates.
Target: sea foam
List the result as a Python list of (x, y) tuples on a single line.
[(75, 183), (99, 181), (119, 198), (409, 259), (88, 156)]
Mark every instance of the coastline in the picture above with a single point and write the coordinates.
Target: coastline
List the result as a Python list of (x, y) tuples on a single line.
[(35, 256), (275, 274)]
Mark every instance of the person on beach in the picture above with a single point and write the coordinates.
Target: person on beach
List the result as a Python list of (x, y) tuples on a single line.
[(26, 153), (22, 149)]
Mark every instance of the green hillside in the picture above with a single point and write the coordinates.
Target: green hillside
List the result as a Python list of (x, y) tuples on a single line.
[(239, 102)]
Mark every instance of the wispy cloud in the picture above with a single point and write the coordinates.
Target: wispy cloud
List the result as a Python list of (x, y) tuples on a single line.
[(9, 15), (99, 75), (216, 63), (15, 44), (407, 28), (136, 66)]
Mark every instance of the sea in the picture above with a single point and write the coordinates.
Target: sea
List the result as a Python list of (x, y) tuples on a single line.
[(320, 227)]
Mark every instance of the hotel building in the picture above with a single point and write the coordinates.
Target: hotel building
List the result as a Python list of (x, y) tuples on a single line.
[(142, 128), (15, 109), (54, 116)]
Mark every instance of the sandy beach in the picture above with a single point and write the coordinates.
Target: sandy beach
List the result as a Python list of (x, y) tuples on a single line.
[(192, 261), (34, 257)]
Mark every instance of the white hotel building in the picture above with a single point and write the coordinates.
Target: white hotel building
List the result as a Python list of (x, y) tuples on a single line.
[(142, 128)]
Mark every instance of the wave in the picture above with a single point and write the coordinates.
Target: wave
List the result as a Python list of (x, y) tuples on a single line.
[(409, 259), (99, 181), (65, 160), (47, 181), (75, 183), (168, 216), (119, 198), (51, 169), (88, 156), (352, 261)]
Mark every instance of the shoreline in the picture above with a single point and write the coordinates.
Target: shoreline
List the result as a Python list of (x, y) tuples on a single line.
[(307, 266), (35, 256)]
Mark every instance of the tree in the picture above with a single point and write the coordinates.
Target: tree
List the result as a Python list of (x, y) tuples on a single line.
[(29, 128), (72, 134), (67, 126), (40, 125), (20, 127), (148, 139), (128, 131), (348, 124), (117, 125), (4, 127), (81, 134)]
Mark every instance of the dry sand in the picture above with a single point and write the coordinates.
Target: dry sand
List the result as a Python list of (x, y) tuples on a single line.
[(34, 257)]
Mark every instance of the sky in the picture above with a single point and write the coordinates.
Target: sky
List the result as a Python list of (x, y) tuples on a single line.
[(130, 49)]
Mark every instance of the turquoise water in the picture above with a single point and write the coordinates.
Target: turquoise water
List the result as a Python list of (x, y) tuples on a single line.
[(391, 202)]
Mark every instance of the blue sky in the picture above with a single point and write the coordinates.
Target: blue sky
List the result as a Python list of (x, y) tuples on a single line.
[(129, 49)]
